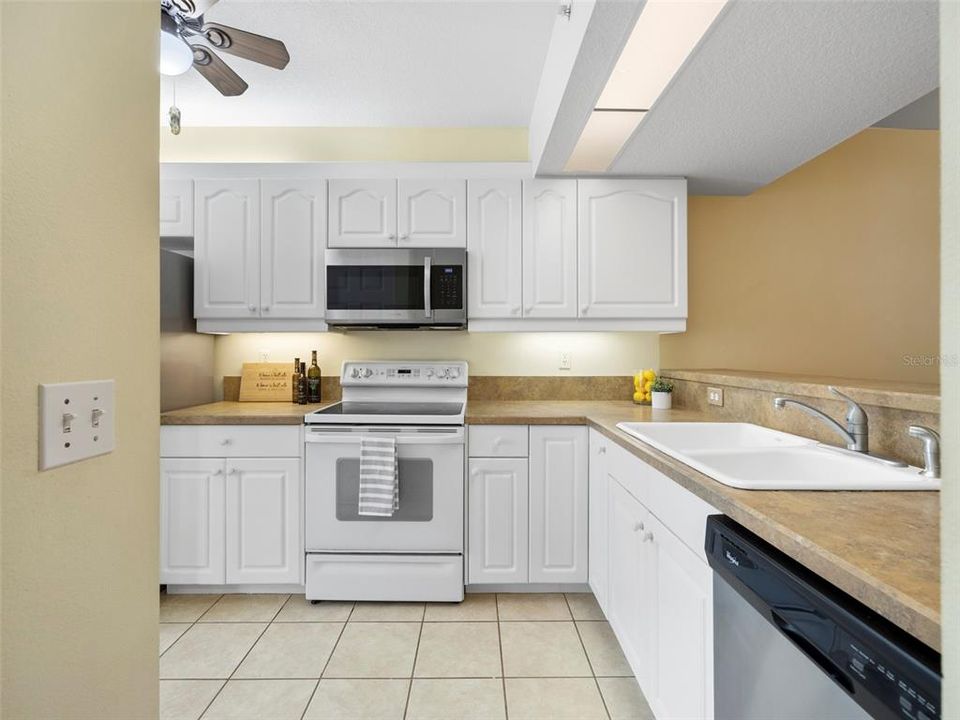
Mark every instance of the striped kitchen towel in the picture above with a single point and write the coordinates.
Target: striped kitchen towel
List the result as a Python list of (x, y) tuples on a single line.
[(379, 478)]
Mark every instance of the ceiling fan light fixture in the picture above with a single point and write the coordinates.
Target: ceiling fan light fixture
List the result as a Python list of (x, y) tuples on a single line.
[(176, 57)]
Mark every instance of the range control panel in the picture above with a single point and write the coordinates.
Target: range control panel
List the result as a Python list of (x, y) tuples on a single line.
[(399, 374)]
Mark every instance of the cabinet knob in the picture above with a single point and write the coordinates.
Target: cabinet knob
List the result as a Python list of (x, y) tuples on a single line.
[(404, 237), (218, 471), (516, 310), (474, 472), (392, 237), (648, 536), (529, 308), (251, 307), (226, 441), (602, 450), (583, 309), (232, 471), (638, 527), (266, 308)]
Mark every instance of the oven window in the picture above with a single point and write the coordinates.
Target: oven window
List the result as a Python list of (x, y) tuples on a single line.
[(416, 491), (375, 287)]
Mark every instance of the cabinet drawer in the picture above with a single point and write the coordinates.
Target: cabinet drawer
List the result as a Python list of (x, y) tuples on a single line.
[(231, 441), (432, 578), (498, 440)]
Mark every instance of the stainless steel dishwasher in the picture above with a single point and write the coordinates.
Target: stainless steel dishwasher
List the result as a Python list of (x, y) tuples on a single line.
[(790, 646)]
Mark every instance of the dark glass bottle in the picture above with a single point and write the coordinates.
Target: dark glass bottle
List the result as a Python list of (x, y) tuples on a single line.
[(304, 388), (313, 380), (295, 382)]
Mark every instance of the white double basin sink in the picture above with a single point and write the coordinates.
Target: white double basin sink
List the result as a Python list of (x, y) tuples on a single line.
[(752, 457)]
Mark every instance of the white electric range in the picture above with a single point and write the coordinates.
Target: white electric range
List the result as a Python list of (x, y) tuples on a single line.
[(417, 553)]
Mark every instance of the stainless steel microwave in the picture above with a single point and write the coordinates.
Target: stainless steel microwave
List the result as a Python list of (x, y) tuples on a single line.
[(387, 288)]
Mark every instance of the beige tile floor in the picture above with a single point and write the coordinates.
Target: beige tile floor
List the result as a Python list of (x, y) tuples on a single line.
[(507, 657)]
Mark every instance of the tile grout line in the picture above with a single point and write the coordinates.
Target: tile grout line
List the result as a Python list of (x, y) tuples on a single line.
[(329, 658), (190, 624), (503, 670), (587, 655), (253, 645), (413, 670)]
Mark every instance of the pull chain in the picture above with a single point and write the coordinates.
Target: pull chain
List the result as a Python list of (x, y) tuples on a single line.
[(174, 113)]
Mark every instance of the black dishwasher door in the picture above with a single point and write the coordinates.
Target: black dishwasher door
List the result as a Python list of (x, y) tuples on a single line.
[(885, 671)]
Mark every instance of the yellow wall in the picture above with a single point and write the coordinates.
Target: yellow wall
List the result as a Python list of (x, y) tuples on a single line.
[(831, 270), (487, 353), (344, 144), (950, 347), (79, 295)]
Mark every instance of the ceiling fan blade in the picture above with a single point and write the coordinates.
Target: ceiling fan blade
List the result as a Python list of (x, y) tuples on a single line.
[(192, 8), (248, 45), (217, 72)]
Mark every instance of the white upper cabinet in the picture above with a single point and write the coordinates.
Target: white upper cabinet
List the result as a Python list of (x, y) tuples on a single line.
[(176, 208), (550, 248), (263, 509), (432, 213), (633, 248), (558, 504), (291, 248), (227, 249), (363, 213), (497, 522), (494, 281)]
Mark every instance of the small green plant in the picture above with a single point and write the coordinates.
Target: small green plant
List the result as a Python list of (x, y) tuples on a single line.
[(660, 385)]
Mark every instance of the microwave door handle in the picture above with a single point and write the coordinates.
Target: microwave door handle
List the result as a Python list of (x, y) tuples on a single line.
[(426, 286)]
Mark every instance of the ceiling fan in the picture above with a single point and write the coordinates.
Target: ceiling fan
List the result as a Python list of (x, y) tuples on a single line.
[(188, 40)]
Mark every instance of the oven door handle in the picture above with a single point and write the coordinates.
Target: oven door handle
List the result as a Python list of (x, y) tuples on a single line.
[(426, 287), (425, 438)]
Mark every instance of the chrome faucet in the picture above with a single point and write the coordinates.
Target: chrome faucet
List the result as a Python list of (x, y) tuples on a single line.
[(931, 449), (856, 432)]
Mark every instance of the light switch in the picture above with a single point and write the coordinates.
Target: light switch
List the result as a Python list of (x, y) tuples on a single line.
[(76, 421), (715, 396)]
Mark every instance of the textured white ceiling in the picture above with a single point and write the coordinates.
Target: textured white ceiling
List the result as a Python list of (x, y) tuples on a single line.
[(444, 63), (775, 83)]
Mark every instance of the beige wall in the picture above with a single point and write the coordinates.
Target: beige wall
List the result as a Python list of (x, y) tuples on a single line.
[(79, 295), (831, 270), (950, 347), (488, 353), (343, 144)]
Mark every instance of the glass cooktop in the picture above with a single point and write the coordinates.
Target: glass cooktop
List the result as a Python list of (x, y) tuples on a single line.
[(392, 408)]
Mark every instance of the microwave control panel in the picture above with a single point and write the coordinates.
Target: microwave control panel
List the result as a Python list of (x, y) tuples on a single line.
[(446, 287)]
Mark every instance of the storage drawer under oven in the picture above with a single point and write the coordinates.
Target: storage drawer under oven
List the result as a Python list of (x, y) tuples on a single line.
[(432, 578)]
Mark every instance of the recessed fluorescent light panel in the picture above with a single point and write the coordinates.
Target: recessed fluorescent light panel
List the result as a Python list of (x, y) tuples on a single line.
[(666, 33)]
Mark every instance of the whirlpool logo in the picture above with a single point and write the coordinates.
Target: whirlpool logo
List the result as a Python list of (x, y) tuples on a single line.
[(731, 558)]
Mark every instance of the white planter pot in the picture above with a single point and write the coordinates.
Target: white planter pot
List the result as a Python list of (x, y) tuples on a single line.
[(662, 400)]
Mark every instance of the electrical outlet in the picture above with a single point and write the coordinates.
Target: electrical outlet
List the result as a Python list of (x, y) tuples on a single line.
[(264, 355), (715, 396), (76, 421), (565, 361)]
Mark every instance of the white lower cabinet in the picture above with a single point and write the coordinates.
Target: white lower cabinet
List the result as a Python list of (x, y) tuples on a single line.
[(659, 590), (558, 504), (263, 535), (191, 521), (527, 504), (598, 547), (227, 514), (498, 522)]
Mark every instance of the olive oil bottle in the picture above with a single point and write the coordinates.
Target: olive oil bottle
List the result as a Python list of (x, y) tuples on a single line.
[(313, 380)]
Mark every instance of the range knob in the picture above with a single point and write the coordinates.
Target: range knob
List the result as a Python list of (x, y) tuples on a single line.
[(355, 373), (367, 373), (428, 372), (453, 373)]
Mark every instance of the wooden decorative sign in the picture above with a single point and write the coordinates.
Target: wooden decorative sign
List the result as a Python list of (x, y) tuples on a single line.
[(266, 382)]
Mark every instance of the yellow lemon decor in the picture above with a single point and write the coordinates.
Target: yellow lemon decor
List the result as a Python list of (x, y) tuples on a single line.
[(643, 386)]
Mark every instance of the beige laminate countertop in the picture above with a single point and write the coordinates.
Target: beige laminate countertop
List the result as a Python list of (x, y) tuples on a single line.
[(883, 548)]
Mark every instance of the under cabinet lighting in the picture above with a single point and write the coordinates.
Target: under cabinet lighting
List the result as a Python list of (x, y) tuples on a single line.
[(666, 33)]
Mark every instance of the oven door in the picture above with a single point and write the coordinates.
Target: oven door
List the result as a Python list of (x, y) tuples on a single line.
[(430, 516), (396, 287)]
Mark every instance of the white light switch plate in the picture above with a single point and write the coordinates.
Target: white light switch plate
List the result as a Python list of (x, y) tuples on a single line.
[(715, 396), (76, 421)]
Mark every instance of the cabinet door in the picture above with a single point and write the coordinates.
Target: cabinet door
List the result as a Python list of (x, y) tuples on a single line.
[(494, 284), (680, 599), (363, 213), (626, 578), (550, 248), (291, 248), (227, 249), (558, 504), (432, 213), (633, 248), (176, 208), (263, 508), (191, 521), (497, 521), (598, 482)]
